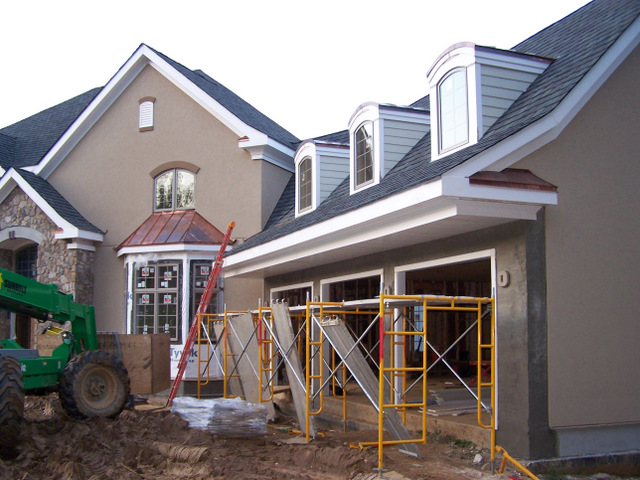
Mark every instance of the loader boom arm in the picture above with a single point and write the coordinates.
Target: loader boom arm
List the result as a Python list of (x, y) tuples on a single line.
[(23, 295)]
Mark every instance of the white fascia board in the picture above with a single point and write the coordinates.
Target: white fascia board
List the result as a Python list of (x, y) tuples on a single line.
[(430, 203), (361, 216), (261, 147), (67, 231), (98, 106), (353, 229), (142, 57), (181, 247), (548, 128)]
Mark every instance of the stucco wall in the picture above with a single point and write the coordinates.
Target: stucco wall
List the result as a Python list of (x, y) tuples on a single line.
[(593, 257), (108, 176), (521, 337)]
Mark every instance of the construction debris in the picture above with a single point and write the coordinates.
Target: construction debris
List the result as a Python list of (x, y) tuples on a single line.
[(227, 416)]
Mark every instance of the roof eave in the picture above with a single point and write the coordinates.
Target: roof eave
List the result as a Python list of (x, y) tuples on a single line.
[(383, 224), (66, 230)]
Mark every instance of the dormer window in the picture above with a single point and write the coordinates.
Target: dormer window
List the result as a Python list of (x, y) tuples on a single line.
[(320, 168), (470, 88), (364, 154), (453, 110), (305, 184), (174, 190)]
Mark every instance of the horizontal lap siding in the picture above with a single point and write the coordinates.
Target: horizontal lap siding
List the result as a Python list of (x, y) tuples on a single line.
[(500, 87), (333, 170), (399, 138)]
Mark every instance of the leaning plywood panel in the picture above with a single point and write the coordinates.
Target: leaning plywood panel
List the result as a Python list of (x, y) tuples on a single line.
[(243, 341), (286, 340)]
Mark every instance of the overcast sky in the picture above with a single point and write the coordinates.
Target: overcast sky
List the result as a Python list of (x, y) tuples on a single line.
[(306, 64)]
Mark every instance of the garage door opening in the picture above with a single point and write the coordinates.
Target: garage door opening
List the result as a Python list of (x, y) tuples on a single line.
[(468, 279)]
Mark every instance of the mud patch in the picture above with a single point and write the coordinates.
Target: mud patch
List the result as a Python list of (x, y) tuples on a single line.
[(157, 444)]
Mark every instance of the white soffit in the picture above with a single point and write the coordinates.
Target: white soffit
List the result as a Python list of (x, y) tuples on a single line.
[(421, 214)]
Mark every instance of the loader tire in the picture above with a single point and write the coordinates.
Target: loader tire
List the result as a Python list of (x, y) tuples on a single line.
[(11, 406), (94, 384)]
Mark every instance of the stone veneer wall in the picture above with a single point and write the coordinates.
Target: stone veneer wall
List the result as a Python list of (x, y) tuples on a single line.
[(70, 270)]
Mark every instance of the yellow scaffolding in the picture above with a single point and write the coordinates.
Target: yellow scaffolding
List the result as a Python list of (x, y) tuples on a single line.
[(395, 333)]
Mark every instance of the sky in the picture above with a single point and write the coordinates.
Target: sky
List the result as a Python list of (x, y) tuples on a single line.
[(306, 64)]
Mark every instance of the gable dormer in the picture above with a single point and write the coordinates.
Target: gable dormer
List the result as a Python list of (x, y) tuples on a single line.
[(380, 135), (471, 87), (320, 167)]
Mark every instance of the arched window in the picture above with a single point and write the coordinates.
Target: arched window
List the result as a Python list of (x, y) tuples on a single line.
[(453, 110), (364, 154), (304, 185), (174, 190)]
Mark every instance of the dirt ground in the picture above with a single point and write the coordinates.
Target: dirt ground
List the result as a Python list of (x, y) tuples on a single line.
[(153, 443)]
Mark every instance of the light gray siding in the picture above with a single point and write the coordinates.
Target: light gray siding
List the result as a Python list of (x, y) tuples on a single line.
[(500, 87), (399, 138), (333, 170)]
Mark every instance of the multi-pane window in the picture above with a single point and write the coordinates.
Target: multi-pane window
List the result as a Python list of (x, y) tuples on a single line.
[(175, 190), (304, 184), (294, 297), (453, 110), (27, 261), (200, 271), (364, 154), (157, 299)]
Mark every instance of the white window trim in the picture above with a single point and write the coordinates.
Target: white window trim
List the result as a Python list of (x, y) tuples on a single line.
[(181, 257), (324, 283), (290, 287), (459, 57), (307, 150), (146, 114), (369, 112), (400, 276), (439, 139)]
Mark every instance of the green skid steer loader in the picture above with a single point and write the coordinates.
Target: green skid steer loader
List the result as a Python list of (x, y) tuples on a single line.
[(90, 382)]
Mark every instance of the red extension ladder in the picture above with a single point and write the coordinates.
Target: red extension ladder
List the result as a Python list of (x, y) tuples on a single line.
[(202, 308)]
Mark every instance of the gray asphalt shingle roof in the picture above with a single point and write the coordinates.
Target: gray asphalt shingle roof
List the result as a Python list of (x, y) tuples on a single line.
[(25, 143), (236, 105), (575, 43), (34, 136), (57, 201)]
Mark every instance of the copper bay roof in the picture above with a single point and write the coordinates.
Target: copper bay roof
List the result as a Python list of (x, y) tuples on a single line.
[(170, 228)]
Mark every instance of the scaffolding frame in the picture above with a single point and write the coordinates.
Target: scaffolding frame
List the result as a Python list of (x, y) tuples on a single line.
[(395, 330)]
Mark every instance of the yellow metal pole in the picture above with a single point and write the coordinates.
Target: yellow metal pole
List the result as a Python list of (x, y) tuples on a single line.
[(307, 369), (424, 367), (381, 385)]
